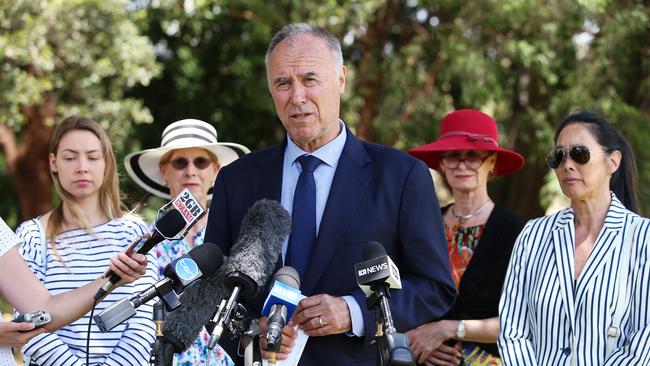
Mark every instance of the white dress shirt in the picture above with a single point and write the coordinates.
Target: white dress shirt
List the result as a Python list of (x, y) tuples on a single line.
[(323, 176)]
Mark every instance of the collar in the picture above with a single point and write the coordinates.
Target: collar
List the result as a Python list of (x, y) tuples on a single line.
[(614, 219), (328, 153)]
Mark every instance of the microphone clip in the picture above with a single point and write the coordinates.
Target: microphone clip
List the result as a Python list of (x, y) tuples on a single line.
[(394, 350), (234, 321), (249, 342), (392, 347)]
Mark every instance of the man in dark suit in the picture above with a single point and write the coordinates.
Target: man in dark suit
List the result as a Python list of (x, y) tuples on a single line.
[(364, 192)]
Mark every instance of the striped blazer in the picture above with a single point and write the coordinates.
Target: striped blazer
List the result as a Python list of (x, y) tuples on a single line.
[(548, 318)]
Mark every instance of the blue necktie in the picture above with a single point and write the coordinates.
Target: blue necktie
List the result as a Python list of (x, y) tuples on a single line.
[(303, 230)]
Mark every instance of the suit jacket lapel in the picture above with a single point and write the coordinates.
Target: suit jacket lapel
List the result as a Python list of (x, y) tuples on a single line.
[(563, 246), (347, 189), (270, 166), (608, 243)]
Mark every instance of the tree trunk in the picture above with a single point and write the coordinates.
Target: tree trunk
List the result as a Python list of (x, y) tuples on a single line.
[(370, 79), (27, 162)]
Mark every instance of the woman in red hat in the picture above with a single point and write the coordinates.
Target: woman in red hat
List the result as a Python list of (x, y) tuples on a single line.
[(480, 236)]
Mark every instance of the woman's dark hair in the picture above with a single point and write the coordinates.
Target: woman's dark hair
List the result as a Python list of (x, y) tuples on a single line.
[(624, 181)]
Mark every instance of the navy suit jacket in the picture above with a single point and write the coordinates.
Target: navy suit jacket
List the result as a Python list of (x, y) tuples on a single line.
[(377, 194)]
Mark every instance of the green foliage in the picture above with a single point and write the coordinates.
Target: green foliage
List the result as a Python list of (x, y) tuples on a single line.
[(84, 53), (527, 63)]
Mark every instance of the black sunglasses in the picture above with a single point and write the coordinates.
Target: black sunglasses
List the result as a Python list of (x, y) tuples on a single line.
[(199, 162), (578, 153)]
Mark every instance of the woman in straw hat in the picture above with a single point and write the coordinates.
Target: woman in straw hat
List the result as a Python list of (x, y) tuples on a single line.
[(190, 157), (480, 236)]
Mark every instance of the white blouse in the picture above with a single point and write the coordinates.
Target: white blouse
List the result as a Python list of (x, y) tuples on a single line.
[(7, 240)]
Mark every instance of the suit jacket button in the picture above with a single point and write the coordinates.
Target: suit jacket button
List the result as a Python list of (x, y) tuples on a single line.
[(567, 351)]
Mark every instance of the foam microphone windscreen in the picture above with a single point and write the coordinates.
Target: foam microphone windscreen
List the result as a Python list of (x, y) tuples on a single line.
[(254, 254), (373, 249), (258, 248), (288, 275), (170, 224), (208, 258)]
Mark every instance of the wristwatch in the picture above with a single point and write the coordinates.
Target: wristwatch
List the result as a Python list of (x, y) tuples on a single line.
[(460, 331)]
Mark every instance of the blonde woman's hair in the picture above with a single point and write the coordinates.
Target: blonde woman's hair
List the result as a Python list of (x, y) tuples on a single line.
[(109, 193)]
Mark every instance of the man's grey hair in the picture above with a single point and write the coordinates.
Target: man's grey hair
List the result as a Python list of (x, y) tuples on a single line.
[(295, 29)]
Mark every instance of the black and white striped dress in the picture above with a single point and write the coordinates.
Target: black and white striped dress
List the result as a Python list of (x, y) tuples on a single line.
[(83, 259)]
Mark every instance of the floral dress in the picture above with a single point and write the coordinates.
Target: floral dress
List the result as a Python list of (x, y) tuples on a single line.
[(461, 244), (197, 353)]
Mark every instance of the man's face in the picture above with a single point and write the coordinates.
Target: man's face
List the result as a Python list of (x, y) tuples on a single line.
[(306, 90)]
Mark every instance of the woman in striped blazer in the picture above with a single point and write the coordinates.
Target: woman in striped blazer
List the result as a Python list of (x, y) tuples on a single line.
[(578, 283)]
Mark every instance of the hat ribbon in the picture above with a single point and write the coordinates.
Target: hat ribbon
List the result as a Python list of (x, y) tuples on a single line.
[(473, 137)]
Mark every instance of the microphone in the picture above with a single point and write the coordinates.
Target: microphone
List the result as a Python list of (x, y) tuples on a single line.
[(202, 261), (280, 304), (376, 275), (377, 268), (254, 254), (245, 272), (181, 213)]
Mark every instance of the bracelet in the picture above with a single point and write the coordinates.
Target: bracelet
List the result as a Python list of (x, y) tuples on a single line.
[(460, 331)]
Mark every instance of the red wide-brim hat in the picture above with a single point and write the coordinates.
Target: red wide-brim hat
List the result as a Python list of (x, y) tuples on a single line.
[(468, 129)]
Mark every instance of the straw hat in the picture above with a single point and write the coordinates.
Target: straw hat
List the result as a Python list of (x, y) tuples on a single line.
[(142, 166)]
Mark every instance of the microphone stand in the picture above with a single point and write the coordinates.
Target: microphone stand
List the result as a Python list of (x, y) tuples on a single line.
[(232, 315), (164, 347), (250, 340), (392, 347), (158, 346)]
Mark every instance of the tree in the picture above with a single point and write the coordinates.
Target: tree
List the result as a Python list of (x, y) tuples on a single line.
[(613, 75), (523, 62), (59, 58)]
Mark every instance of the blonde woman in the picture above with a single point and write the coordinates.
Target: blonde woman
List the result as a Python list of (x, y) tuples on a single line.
[(71, 245)]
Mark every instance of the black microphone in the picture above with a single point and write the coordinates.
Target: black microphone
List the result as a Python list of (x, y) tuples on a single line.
[(202, 261), (376, 275), (251, 264), (181, 213), (170, 224), (280, 304), (376, 269)]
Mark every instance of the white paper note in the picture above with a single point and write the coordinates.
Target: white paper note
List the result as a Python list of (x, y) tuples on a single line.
[(296, 351)]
